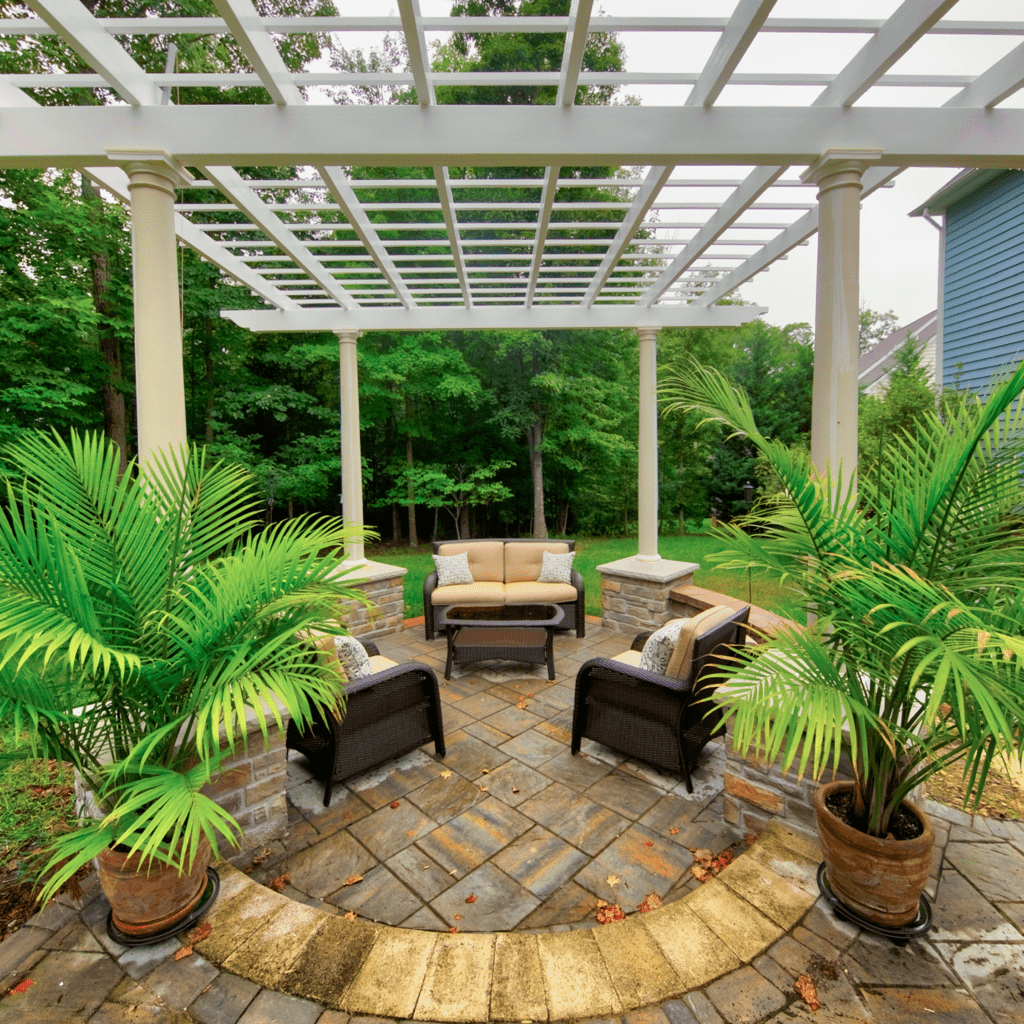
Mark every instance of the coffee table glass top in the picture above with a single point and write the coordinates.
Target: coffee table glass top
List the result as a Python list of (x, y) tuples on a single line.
[(534, 614)]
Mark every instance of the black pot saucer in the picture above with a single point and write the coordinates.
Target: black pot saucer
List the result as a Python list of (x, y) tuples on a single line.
[(899, 935), (209, 895)]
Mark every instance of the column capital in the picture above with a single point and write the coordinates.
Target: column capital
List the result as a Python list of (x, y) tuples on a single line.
[(850, 163), (648, 332), (348, 334), (151, 161)]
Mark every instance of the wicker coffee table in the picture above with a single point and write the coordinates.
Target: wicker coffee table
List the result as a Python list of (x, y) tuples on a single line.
[(521, 632)]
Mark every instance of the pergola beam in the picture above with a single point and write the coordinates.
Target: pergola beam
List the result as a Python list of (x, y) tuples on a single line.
[(456, 318), (499, 136)]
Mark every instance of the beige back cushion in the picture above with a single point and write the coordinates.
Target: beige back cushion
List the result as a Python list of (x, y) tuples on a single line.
[(523, 561), (326, 652), (681, 663), (485, 558)]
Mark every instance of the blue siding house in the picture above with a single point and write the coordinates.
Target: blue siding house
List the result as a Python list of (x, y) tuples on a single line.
[(981, 292)]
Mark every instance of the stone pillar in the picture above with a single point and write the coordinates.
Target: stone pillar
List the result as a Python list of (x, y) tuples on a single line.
[(159, 376), (636, 593), (351, 456), (647, 447), (837, 174)]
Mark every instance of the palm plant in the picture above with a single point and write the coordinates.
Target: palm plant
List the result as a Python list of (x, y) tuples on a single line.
[(914, 661), (140, 618)]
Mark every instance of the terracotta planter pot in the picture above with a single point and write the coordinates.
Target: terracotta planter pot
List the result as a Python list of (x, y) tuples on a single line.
[(152, 899), (880, 879)]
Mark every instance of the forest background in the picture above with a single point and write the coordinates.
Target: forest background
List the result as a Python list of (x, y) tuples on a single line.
[(504, 433)]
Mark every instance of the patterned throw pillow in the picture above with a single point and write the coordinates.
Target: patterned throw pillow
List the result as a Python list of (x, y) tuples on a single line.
[(556, 568), (660, 645), (452, 569), (353, 657)]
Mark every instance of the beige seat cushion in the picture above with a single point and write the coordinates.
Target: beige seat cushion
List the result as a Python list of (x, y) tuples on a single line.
[(486, 559), (523, 560), (479, 594), (681, 663), (538, 593), (378, 663), (629, 658)]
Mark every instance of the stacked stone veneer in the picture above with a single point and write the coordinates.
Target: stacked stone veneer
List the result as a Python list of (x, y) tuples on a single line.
[(636, 594), (251, 785), (756, 792), (382, 585)]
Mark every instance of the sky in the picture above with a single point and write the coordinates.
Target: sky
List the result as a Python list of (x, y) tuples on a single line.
[(899, 254)]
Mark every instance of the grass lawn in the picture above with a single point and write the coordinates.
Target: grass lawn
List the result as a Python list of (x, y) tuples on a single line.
[(591, 552)]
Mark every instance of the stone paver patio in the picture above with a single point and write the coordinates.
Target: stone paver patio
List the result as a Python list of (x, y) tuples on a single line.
[(536, 840)]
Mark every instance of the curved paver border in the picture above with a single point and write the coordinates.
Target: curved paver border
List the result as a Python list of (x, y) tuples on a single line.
[(375, 970)]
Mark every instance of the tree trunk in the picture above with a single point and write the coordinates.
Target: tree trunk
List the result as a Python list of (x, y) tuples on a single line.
[(115, 421), (536, 436), (396, 525), (414, 539), (463, 524), (563, 519)]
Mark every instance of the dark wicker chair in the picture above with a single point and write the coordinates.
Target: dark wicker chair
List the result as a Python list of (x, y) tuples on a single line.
[(651, 717), (387, 714)]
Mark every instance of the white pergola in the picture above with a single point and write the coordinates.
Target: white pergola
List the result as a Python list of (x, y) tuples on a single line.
[(721, 185)]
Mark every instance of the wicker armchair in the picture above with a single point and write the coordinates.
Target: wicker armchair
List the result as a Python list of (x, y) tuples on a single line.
[(387, 714), (652, 717)]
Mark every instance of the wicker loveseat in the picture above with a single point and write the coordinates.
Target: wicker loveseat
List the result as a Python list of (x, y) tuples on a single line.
[(504, 572)]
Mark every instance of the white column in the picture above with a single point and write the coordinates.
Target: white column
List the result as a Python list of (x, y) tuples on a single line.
[(351, 455), (159, 376), (647, 447), (836, 351)]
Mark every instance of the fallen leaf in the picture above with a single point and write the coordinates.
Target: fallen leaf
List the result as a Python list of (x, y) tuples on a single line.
[(347, 814), (201, 932), (280, 882), (454, 871), (260, 857), (485, 771), (673, 831), (426, 867), (350, 916), (456, 917), (613, 879), (483, 789), (648, 843), (703, 857), (446, 774), (183, 952), (651, 902), (601, 903), (22, 987), (352, 879), (806, 988), (515, 789), (453, 930), (471, 898), (700, 874), (749, 838), (725, 858), (394, 804), (608, 915), (411, 832)]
